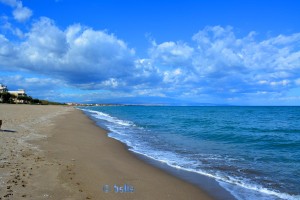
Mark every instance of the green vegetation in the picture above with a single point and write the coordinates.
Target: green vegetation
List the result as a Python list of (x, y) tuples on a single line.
[(25, 99), (45, 102), (6, 97), (11, 99)]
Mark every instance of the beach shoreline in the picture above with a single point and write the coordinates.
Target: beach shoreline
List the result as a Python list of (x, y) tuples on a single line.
[(70, 157), (206, 183)]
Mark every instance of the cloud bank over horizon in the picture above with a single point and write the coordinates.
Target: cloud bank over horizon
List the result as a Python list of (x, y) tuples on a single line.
[(215, 65)]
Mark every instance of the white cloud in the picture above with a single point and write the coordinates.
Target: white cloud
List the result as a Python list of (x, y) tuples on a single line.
[(222, 64), (80, 55), (297, 82), (216, 63), (7, 51), (171, 53), (20, 12), (44, 43), (12, 3), (172, 76), (7, 27)]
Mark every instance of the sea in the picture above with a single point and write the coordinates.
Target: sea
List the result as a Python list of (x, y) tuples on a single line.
[(249, 152)]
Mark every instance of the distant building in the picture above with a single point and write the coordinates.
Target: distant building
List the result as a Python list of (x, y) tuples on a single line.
[(18, 93), (3, 88)]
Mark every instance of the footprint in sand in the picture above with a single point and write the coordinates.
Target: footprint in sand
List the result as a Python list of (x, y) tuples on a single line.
[(8, 195)]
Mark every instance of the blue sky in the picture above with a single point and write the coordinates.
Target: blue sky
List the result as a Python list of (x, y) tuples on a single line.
[(178, 52)]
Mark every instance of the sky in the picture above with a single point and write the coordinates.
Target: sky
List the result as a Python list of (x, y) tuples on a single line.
[(188, 52)]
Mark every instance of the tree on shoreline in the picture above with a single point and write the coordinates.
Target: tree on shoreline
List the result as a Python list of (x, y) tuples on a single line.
[(25, 99), (6, 97)]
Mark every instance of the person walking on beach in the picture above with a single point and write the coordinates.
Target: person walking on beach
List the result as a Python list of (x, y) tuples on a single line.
[(0, 123)]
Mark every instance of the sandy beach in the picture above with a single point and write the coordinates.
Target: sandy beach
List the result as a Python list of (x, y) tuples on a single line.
[(56, 152)]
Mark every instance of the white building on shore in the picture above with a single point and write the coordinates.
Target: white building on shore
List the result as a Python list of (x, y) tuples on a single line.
[(3, 88), (15, 95), (18, 93)]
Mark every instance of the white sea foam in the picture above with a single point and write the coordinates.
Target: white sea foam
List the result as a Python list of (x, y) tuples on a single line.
[(107, 117), (228, 182), (269, 194)]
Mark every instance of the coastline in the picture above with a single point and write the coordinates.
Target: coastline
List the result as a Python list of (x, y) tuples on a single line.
[(74, 160)]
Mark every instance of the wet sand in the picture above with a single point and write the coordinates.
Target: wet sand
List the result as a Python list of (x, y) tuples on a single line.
[(56, 152)]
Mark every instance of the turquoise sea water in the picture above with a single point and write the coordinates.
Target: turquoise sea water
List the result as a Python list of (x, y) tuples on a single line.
[(252, 152)]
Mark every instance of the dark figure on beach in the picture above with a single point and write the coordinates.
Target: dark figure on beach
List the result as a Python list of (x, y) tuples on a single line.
[(0, 124)]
